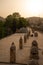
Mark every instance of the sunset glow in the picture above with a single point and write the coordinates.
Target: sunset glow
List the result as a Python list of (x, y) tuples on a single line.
[(26, 8), (35, 7)]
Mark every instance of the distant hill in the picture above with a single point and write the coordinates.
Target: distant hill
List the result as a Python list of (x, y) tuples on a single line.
[(36, 23), (35, 20), (2, 19)]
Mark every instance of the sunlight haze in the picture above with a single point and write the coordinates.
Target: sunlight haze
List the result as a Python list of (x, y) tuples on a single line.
[(26, 8)]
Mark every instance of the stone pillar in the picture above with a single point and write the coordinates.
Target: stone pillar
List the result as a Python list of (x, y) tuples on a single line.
[(42, 52), (28, 34), (34, 54), (35, 34), (12, 53), (25, 38), (20, 43), (34, 62)]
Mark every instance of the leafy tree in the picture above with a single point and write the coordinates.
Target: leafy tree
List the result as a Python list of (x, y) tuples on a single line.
[(16, 15), (2, 29), (22, 22), (8, 24), (9, 21), (14, 25), (13, 22)]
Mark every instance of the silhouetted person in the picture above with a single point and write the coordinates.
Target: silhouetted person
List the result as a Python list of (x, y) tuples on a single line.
[(13, 53), (20, 43)]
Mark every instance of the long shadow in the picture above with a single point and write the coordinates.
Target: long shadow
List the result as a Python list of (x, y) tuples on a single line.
[(12, 63)]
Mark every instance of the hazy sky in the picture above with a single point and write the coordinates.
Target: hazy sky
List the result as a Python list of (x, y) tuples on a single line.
[(26, 8)]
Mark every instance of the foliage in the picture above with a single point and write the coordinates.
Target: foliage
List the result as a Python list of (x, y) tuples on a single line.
[(2, 29), (13, 22), (22, 22)]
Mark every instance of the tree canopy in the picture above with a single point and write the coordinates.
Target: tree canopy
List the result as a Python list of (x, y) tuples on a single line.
[(12, 22)]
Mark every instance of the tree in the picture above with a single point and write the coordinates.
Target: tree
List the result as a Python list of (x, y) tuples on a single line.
[(2, 29), (14, 25), (16, 15), (8, 24), (9, 21), (22, 22)]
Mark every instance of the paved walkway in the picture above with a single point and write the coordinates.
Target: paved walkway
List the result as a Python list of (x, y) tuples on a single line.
[(22, 56)]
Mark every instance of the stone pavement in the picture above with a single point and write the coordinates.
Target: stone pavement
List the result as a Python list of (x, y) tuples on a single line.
[(22, 56)]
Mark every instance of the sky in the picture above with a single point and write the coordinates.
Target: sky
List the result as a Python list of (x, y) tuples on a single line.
[(26, 8)]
